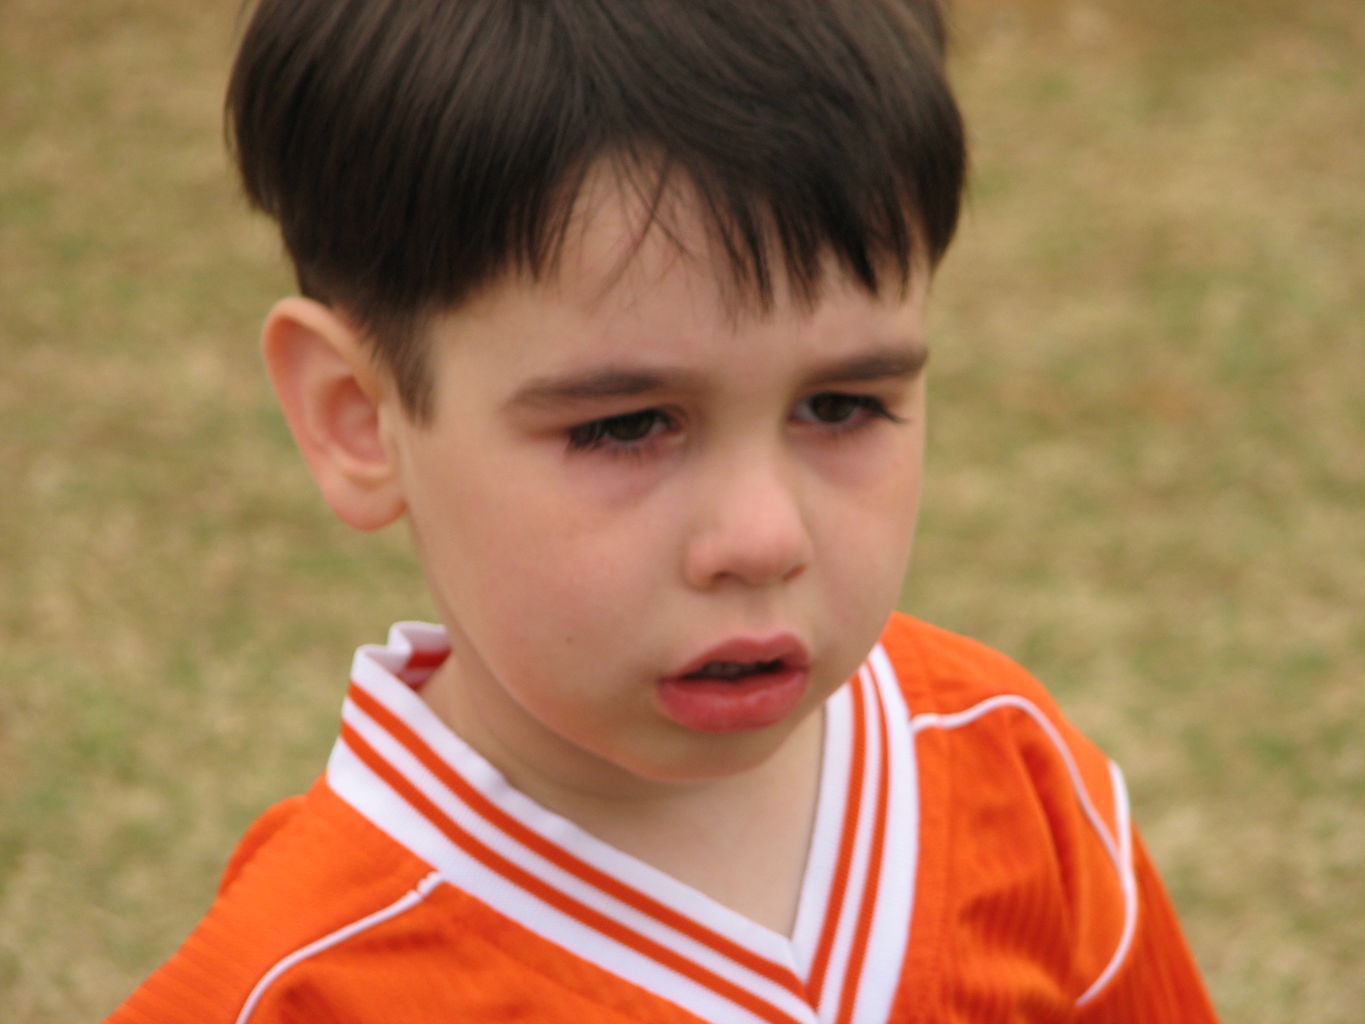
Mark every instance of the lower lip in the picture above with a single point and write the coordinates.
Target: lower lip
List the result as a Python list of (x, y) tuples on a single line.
[(717, 705)]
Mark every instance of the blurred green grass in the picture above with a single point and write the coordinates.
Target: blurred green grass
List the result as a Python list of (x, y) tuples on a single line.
[(1146, 478)]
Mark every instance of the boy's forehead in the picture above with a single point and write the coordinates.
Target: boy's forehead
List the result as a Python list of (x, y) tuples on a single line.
[(628, 229), (624, 233), (638, 285)]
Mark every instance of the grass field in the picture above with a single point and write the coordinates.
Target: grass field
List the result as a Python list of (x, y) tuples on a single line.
[(1147, 471)]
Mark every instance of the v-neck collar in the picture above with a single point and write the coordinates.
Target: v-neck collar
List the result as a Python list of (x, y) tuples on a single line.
[(404, 770)]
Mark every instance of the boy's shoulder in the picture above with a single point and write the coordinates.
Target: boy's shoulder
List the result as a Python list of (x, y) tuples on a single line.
[(944, 672), (322, 916), (968, 702), (1027, 853), (308, 872), (1000, 768)]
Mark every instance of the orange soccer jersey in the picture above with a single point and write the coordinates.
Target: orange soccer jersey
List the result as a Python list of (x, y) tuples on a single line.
[(972, 860)]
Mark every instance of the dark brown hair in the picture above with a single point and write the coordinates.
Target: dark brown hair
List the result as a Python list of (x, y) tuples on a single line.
[(415, 150)]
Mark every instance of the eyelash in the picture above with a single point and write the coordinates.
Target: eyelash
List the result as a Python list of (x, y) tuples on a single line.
[(596, 434), (861, 410)]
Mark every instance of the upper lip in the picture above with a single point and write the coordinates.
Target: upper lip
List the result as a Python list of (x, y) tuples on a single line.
[(785, 648)]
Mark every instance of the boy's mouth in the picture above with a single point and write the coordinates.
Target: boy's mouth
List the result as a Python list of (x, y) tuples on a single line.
[(743, 683), (744, 656), (735, 670)]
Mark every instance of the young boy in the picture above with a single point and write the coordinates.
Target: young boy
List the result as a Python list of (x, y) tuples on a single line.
[(620, 303)]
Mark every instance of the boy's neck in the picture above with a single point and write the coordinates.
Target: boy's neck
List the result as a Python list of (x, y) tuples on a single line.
[(741, 839)]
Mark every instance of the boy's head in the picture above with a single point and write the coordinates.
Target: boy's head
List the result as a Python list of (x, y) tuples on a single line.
[(621, 303), (413, 151)]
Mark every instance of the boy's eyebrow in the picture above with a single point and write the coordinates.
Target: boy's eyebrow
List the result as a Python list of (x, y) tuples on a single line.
[(904, 360), (596, 384), (607, 382)]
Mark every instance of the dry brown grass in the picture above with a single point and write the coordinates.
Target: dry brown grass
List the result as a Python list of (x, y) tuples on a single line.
[(1145, 463)]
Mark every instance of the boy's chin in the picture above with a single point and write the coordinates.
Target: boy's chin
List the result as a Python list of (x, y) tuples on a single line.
[(698, 758)]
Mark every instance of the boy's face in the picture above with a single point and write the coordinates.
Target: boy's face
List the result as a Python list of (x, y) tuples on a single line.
[(631, 475)]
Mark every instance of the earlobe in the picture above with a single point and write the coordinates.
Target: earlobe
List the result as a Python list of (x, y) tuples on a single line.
[(333, 398)]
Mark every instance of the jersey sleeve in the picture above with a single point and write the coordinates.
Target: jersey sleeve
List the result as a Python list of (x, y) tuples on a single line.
[(306, 870), (1157, 979), (1042, 890)]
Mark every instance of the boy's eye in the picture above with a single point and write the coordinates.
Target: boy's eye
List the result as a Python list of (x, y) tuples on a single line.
[(633, 426), (835, 408), (623, 431)]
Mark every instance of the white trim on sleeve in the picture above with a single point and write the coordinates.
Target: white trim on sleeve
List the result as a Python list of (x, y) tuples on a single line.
[(1118, 845), (404, 903)]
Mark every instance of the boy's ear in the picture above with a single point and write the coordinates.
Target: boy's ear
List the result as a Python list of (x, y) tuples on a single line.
[(334, 399)]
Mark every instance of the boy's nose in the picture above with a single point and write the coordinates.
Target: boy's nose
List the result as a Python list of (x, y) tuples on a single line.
[(751, 530)]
